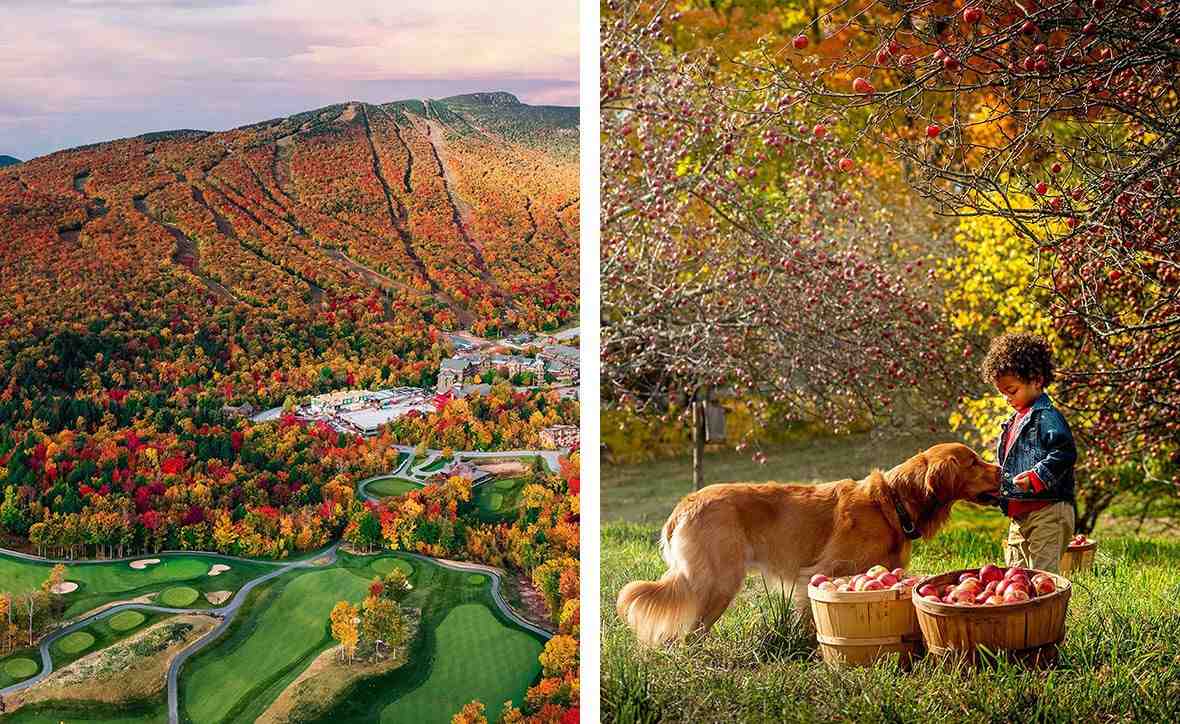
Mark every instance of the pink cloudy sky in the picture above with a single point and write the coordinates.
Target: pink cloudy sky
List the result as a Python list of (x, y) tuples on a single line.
[(79, 71)]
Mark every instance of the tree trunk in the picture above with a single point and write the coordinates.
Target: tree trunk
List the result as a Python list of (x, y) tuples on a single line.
[(698, 443)]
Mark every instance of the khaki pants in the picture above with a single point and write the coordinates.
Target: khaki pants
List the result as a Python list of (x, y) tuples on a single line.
[(1038, 539)]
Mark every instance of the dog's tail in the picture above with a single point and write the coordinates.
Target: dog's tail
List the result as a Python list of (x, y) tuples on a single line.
[(659, 611)]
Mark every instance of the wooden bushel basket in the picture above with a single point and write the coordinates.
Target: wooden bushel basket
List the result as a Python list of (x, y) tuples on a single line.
[(1029, 631), (1078, 559), (857, 628)]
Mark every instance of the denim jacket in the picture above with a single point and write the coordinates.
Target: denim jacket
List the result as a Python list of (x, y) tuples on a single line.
[(1044, 445)]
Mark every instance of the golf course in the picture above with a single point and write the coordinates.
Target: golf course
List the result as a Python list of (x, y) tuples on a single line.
[(466, 646)]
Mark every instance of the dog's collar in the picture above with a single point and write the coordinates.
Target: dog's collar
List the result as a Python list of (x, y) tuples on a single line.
[(903, 516)]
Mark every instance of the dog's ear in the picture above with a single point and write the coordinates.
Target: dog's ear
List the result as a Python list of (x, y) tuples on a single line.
[(942, 477)]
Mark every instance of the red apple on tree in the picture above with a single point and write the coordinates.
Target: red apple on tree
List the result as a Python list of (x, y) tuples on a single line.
[(800, 42)]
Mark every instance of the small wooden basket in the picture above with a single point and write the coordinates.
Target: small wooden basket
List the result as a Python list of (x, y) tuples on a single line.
[(855, 628), (1078, 559), (1028, 631)]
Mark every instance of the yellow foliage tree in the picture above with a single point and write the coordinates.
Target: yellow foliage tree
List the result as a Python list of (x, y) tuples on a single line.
[(472, 713), (560, 655)]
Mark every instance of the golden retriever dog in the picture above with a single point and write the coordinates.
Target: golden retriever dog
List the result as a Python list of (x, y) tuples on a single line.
[(790, 532)]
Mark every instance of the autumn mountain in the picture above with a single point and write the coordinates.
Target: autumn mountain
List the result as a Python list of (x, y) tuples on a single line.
[(460, 212)]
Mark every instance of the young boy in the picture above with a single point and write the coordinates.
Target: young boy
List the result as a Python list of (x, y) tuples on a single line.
[(1036, 452)]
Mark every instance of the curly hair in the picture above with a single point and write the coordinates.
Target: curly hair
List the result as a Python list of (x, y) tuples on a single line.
[(1025, 356)]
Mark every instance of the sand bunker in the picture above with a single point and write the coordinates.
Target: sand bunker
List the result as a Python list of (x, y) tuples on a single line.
[(218, 597), (64, 587), (508, 468), (218, 569), (144, 563)]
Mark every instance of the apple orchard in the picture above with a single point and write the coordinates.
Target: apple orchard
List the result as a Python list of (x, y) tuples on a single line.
[(827, 209)]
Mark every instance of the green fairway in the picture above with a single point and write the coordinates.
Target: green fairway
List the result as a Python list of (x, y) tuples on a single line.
[(101, 582), (476, 657), (281, 632), (75, 643), (384, 565), (95, 713), (20, 669), (125, 620), (385, 487), (498, 499), (178, 597)]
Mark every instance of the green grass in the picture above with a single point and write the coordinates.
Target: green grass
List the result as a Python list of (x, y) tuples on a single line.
[(155, 712), (386, 487), (75, 643), (436, 465), (178, 597), (288, 628), (21, 668), (476, 579), (477, 657), (384, 565), (125, 620), (1120, 660), (495, 500), (101, 582)]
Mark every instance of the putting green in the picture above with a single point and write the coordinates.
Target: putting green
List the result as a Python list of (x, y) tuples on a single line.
[(385, 565), (505, 485), (75, 643), (125, 620), (21, 668), (476, 579), (495, 501), (178, 597), (477, 657), (386, 487)]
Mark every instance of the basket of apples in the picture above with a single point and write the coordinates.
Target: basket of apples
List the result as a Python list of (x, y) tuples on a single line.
[(1079, 554), (1016, 610), (861, 618)]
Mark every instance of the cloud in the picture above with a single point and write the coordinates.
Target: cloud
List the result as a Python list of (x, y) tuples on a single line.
[(170, 60)]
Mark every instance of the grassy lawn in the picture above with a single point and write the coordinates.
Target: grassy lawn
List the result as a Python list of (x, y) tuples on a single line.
[(647, 493), (100, 582), (495, 499), (477, 657), (286, 627), (1120, 660), (386, 487)]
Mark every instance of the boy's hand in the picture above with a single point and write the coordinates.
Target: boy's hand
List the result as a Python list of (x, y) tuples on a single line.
[(1023, 481)]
